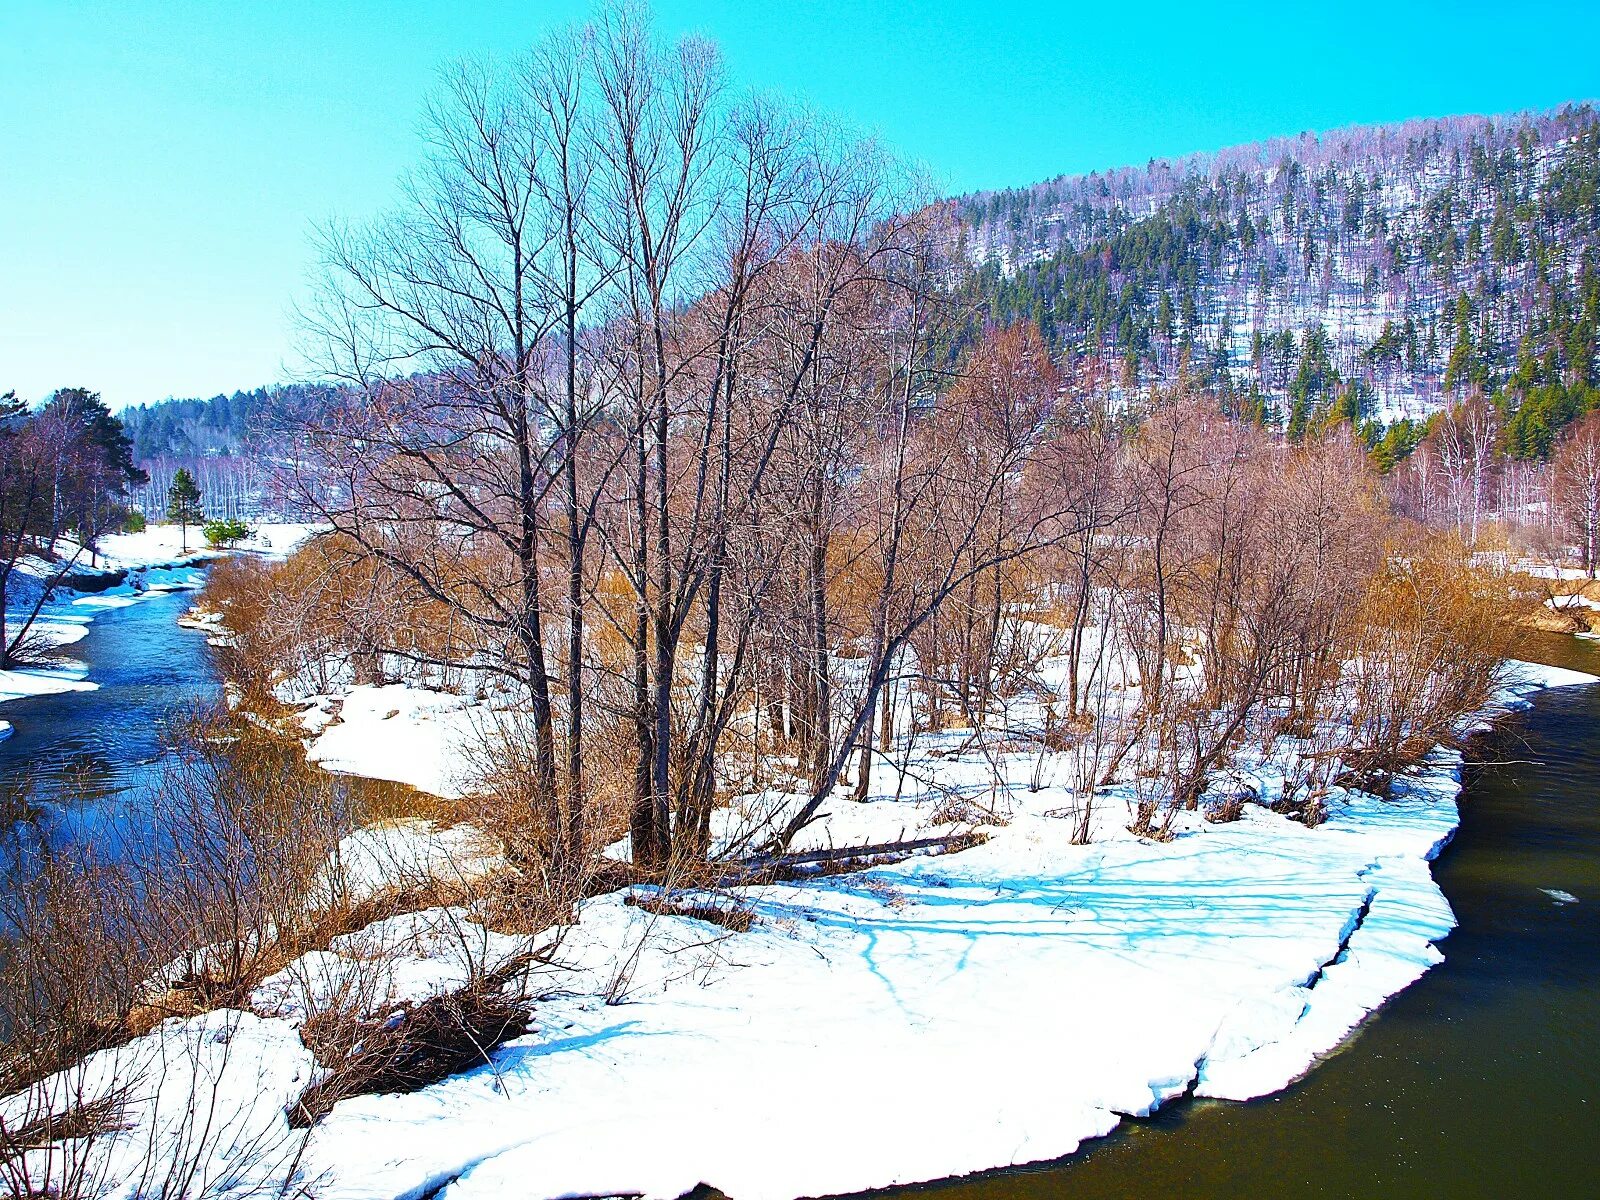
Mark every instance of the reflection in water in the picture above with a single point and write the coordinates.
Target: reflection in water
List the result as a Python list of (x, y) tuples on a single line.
[(86, 747), (79, 763), (1480, 1081)]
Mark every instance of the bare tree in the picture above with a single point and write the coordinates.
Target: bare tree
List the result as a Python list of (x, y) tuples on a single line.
[(1575, 490)]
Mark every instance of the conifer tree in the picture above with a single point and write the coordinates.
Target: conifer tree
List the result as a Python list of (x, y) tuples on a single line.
[(183, 503)]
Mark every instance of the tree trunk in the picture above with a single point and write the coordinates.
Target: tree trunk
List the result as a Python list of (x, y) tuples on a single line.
[(821, 675)]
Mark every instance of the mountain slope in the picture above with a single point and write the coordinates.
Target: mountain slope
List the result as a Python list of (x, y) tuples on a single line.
[(1375, 272)]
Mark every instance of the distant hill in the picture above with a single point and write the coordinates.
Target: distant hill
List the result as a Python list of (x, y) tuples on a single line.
[(219, 426), (220, 442), (1377, 271)]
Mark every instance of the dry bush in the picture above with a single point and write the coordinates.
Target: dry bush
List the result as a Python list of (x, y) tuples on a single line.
[(180, 1114), (32, 648), (958, 810), (73, 960), (502, 801), (233, 875), (327, 614), (227, 872), (242, 834), (1227, 808), (97, 1098), (408, 1048), (253, 655), (85, 925), (1431, 641)]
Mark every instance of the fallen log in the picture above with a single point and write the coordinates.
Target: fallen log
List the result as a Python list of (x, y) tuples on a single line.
[(804, 864)]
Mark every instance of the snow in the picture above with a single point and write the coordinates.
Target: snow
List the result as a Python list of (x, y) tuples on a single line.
[(163, 544), (406, 958), (1530, 677), (928, 1018), (398, 732), (58, 629), (1031, 991), (1560, 603), (208, 1092), (148, 563), (406, 853)]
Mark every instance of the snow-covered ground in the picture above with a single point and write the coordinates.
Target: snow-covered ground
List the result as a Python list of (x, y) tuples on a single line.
[(164, 544), (407, 734), (132, 566), (929, 1018)]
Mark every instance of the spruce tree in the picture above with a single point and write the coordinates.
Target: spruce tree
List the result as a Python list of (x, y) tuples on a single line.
[(183, 503)]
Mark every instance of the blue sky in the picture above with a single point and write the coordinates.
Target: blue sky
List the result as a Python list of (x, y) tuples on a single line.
[(161, 164)]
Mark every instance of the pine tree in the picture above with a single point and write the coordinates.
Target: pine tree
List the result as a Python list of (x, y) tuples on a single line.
[(183, 503)]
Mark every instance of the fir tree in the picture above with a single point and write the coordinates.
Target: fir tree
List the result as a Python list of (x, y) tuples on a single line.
[(183, 503)]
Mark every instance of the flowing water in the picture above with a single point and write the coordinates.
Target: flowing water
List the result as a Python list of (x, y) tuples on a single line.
[(73, 754), (83, 764), (1480, 1081)]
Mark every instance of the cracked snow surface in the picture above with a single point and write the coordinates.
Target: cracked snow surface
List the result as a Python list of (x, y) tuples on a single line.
[(938, 1016)]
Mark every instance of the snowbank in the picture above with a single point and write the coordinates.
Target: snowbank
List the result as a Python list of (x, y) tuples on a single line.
[(60, 628), (406, 734), (931, 1018), (130, 567), (935, 1017), (1529, 677)]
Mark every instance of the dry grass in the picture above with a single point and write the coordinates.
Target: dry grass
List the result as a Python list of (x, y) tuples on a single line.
[(727, 911), (1227, 809), (1430, 645), (408, 1048)]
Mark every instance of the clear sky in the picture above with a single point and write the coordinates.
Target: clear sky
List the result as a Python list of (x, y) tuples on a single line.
[(163, 161)]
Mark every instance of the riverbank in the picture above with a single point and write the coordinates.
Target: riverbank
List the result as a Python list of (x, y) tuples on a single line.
[(129, 568), (939, 1016), (1469, 1084), (919, 1020)]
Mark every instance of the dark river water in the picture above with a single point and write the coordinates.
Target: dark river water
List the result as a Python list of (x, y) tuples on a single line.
[(75, 752), (1481, 1080)]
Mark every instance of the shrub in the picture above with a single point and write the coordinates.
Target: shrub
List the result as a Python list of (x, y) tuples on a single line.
[(1431, 642), (407, 1049), (225, 532)]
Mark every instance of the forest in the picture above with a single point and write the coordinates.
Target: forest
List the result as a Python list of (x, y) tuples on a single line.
[(1374, 275), (717, 490)]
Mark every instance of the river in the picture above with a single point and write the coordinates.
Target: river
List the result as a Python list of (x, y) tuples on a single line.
[(72, 754), (1482, 1080)]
